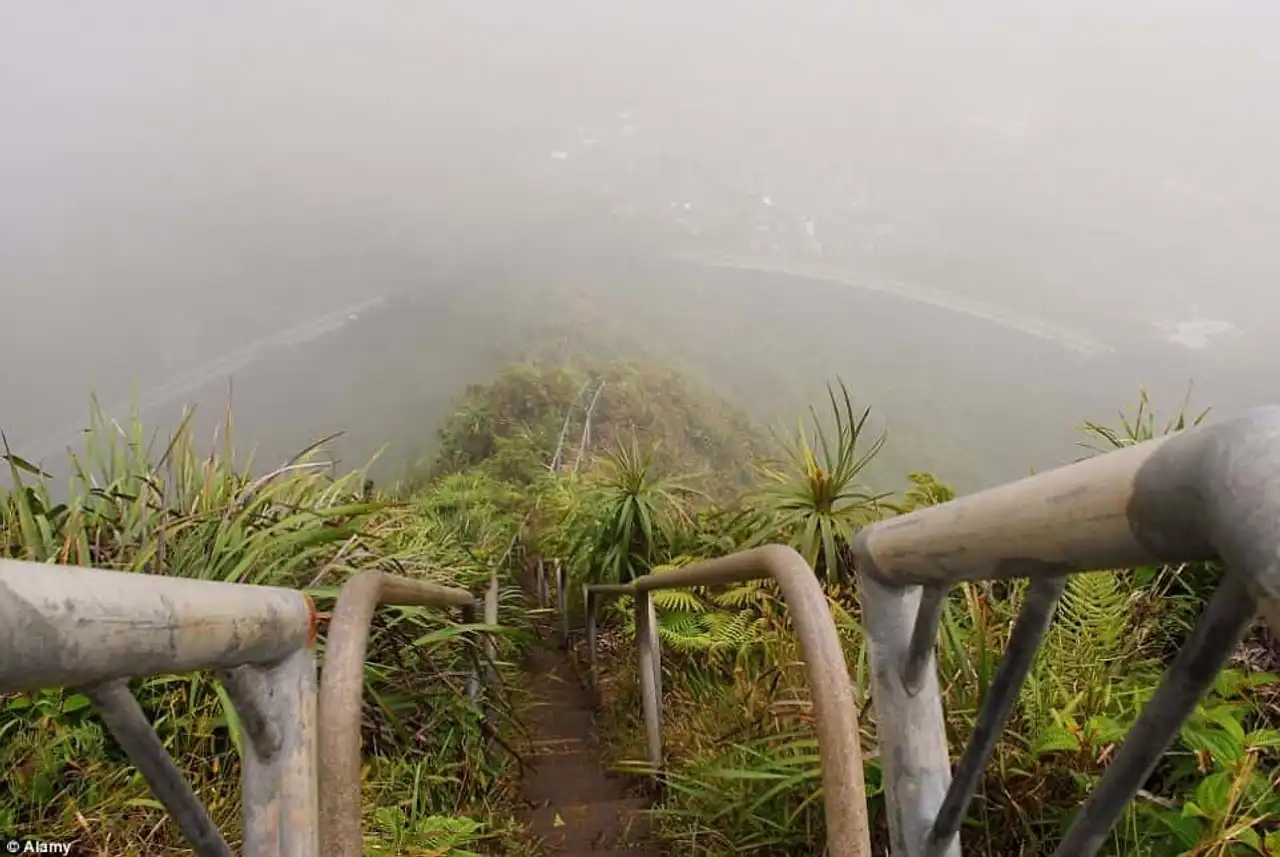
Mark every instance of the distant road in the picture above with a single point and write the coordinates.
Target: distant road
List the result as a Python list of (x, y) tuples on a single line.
[(179, 389), (1073, 339)]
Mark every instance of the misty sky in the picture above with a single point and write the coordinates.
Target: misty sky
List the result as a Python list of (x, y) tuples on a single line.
[(176, 178)]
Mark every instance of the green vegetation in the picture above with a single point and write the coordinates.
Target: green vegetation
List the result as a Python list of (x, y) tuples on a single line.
[(744, 768), (175, 510), (657, 473)]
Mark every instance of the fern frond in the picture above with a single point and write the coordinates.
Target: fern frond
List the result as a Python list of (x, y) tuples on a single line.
[(678, 599)]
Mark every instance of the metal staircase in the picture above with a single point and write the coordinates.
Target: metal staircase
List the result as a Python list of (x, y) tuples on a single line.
[(1210, 492)]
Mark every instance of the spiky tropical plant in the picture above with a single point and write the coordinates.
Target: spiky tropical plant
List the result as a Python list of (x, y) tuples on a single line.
[(815, 501), (628, 514)]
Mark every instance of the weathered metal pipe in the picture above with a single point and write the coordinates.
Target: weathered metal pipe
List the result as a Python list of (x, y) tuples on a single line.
[(924, 633), (67, 626), (474, 677), (1212, 491), (491, 619), (593, 596), (293, 701), (342, 694), (1028, 632), (562, 602), (593, 657), (650, 671), (124, 718), (910, 728), (835, 710), (544, 594), (490, 645), (277, 705)]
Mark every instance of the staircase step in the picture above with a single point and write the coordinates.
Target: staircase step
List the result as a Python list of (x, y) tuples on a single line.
[(560, 682), (589, 826), (568, 781), (559, 746), (574, 805), (559, 722), (561, 688), (583, 756), (570, 756)]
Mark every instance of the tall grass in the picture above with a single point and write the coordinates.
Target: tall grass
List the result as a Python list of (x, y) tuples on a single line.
[(172, 508)]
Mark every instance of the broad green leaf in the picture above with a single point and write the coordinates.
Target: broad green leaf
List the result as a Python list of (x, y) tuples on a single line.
[(1187, 829), (1218, 744), (1213, 794)]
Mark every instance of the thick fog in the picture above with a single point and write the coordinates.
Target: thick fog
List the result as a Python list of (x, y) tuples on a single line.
[(995, 220)]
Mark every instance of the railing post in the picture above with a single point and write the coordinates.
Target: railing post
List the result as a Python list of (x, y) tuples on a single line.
[(124, 718), (650, 675), (834, 708), (277, 706), (589, 619), (491, 619), (910, 727), (490, 652), (468, 616), (543, 595), (342, 692), (562, 602)]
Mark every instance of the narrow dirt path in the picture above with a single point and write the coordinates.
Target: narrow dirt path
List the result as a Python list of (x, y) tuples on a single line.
[(574, 805)]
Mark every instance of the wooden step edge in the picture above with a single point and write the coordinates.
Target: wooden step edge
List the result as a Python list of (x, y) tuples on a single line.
[(623, 806), (560, 742)]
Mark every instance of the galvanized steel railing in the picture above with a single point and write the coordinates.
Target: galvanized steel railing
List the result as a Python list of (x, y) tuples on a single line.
[(1211, 492), (1207, 493), (95, 630), (834, 708), (342, 690)]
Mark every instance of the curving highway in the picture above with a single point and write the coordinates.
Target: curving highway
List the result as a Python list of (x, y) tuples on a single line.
[(1075, 340)]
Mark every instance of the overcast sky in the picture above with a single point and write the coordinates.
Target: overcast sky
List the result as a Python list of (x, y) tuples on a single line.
[(175, 176)]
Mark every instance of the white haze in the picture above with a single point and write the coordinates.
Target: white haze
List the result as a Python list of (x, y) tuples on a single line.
[(202, 191)]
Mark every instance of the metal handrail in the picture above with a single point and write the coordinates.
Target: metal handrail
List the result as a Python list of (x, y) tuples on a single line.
[(1211, 492), (95, 630), (342, 691), (835, 710), (64, 626), (1207, 493)]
